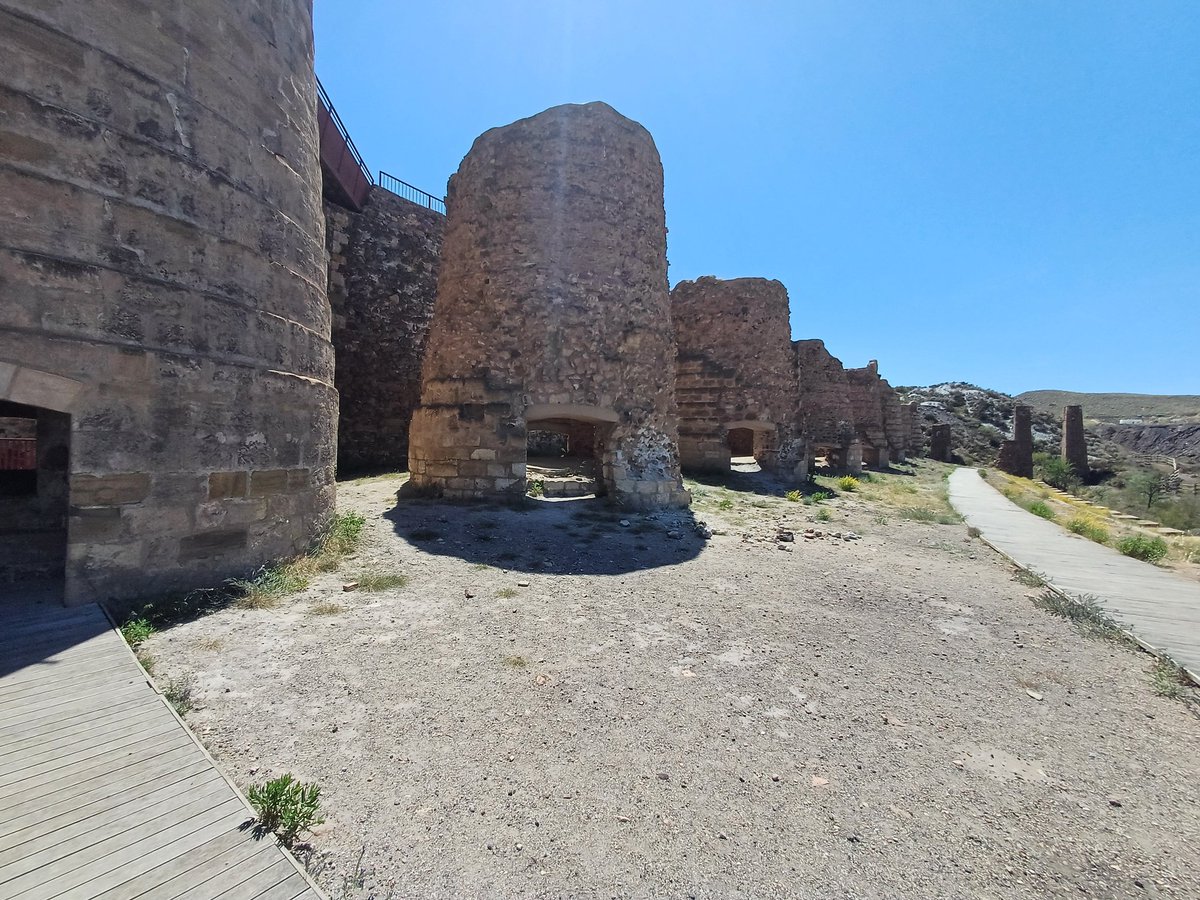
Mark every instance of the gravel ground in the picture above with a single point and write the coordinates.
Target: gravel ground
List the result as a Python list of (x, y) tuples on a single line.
[(557, 704)]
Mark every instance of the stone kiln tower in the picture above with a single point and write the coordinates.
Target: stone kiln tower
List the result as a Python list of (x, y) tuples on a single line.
[(1016, 455), (736, 375), (825, 410), (163, 310), (1074, 441), (552, 311)]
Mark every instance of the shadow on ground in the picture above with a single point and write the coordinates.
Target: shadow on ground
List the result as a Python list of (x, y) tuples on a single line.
[(567, 537)]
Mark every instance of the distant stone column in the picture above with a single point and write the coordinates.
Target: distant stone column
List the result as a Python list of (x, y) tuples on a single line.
[(939, 443), (1074, 443), (1016, 455)]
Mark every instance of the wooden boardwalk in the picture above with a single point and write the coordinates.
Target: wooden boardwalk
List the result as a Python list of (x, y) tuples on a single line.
[(1160, 608), (103, 792)]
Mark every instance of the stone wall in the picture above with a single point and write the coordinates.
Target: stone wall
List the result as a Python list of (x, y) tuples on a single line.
[(940, 438), (383, 264), (826, 416), (163, 283), (552, 304), (735, 369), (865, 391), (896, 425), (916, 440)]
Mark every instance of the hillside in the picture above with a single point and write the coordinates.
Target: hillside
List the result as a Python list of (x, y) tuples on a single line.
[(1116, 406)]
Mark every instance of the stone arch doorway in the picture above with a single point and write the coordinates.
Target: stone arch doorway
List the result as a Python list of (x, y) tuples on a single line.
[(752, 445), (565, 451), (35, 465)]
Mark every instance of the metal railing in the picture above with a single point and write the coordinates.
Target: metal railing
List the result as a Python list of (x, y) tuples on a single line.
[(342, 130), (411, 193)]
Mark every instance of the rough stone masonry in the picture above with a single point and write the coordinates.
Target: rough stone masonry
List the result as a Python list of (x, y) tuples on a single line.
[(552, 306), (163, 285), (1016, 454), (827, 417), (735, 372), (1074, 440)]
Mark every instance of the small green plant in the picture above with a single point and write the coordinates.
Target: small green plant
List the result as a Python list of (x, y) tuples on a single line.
[(1039, 508), (1029, 578), (973, 532), (725, 504), (1144, 548), (1057, 472), (343, 536), (818, 496), (381, 581), (1169, 679), (507, 593), (286, 807), (1089, 529), (848, 483), (823, 514), (326, 608), (136, 631), (269, 585), (537, 488), (178, 692), (1084, 612), (983, 473), (515, 662)]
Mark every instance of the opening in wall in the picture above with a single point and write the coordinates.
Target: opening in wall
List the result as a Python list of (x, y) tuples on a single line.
[(34, 466)]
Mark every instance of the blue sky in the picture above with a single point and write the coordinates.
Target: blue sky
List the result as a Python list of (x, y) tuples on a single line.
[(1000, 192)]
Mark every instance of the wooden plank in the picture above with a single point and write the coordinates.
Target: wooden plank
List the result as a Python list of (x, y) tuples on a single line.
[(200, 864), (79, 730), (27, 730), (148, 851), (228, 882), (82, 839), (89, 666), (52, 707), (168, 768), (289, 887)]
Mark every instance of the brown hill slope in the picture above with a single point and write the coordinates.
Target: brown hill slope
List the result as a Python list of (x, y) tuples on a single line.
[(1116, 406)]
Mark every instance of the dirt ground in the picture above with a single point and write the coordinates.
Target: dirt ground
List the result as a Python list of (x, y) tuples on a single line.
[(566, 702)]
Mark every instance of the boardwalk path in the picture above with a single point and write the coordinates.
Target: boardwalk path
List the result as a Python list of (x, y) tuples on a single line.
[(1161, 608), (104, 793)]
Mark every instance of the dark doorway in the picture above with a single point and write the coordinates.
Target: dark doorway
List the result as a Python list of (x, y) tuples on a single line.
[(34, 465), (563, 460)]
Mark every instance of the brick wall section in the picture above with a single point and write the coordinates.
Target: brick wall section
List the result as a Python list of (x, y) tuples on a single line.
[(162, 269), (1016, 455), (939, 442), (896, 425), (552, 303), (826, 416), (735, 368), (383, 264)]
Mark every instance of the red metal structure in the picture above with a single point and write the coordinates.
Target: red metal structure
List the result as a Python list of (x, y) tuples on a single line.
[(347, 179)]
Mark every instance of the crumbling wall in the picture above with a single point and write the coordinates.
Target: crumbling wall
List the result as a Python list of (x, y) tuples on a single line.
[(735, 370), (826, 415), (383, 264), (1074, 440), (940, 438), (866, 402), (162, 281), (552, 304), (896, 425)]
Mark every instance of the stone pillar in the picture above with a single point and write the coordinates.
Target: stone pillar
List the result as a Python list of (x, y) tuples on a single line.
[(1016, 455), (939, 443), (1074, 441), (552, 303), (854, 457)]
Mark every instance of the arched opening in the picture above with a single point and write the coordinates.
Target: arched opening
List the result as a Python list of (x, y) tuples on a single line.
[(751, 446), (34, 472), (565, 447)]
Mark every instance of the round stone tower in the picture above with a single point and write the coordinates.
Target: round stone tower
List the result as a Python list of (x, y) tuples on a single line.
[(735, 376), (163, 309), (552, 312)]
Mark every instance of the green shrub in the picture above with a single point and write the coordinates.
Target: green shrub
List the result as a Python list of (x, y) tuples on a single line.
[(536, 488), (1141, 547), (725, 504), (983, 473), (821, 495), (848, 483), (286, 807), (1038, 508), (823, 514), (1089, 529), (793, 496), (136, 630), (1057, 472)]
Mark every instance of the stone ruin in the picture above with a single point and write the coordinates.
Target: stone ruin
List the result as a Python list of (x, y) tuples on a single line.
[(1074, 440), (870, 423), (825, 410), (1016, 454), (164, 323), (735, 377), (552, 310), (940, 437)]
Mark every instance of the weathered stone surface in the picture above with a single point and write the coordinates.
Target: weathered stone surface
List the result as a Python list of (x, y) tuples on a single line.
[(1074, 441), (162, 275), (867, 403), (735, 380), (383, 264), (552, 305), (940, 438), (826, 416), (1016, 454)]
